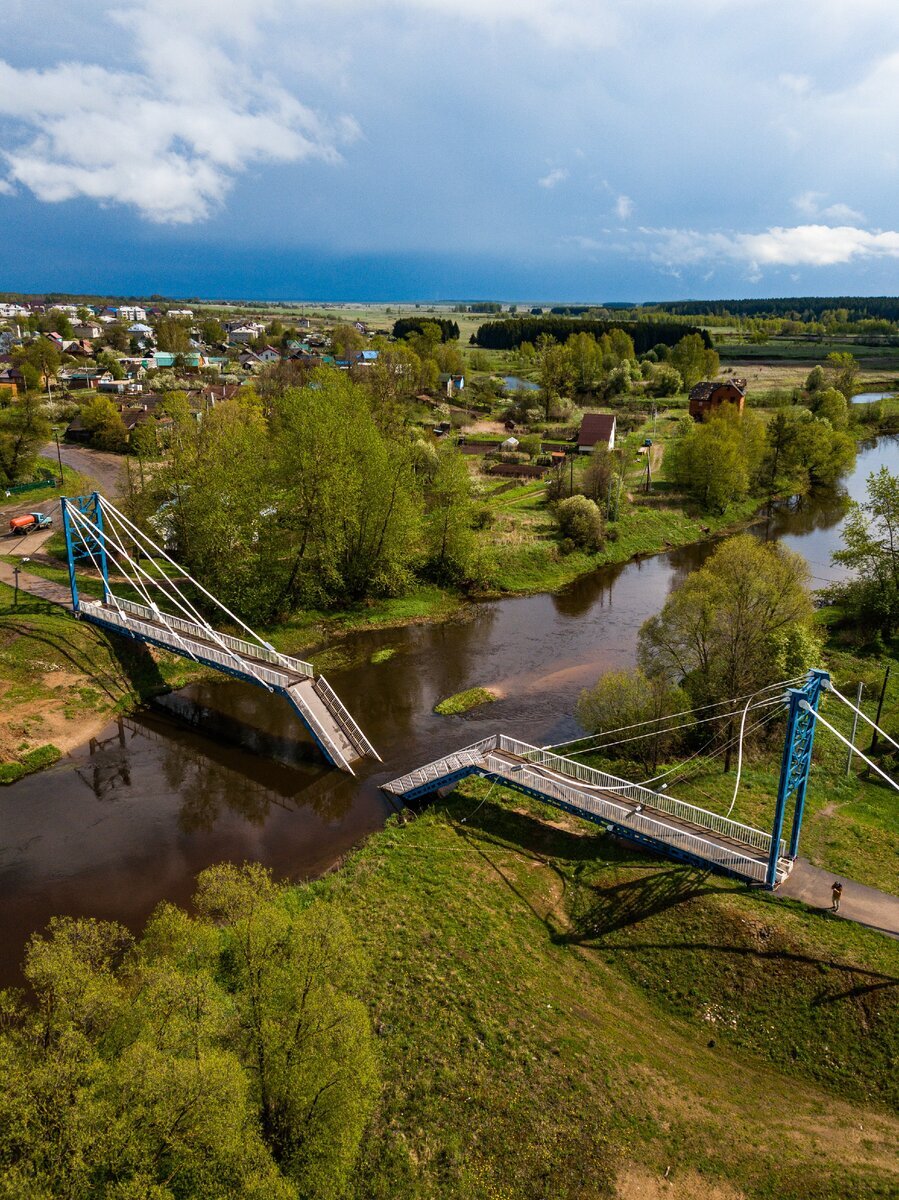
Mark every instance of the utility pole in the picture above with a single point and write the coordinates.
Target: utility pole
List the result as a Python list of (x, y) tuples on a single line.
[(883, 692), (858, 704), (15, 600), (58, 453)]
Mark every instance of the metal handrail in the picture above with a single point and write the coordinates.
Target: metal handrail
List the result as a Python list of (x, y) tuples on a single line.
[(747, 834), (312, 721), (240, 645), (470, 756), (658, 830), (340, 714), (202, 650)]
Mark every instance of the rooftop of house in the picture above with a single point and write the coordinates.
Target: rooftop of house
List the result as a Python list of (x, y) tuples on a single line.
[(596, 427), (704, 389)]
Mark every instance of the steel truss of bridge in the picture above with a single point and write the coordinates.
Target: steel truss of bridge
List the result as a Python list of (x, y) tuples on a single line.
[(98, 534), (653, 820)]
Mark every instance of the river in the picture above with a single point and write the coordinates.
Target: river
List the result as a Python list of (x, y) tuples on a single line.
[(221, 770)]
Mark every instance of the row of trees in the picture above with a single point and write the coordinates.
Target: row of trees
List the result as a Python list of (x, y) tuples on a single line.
[(510, 333), (227, 1053), (312, 497), (733, 455)]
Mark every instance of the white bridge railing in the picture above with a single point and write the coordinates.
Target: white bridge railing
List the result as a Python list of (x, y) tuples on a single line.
[(338, 711), (180, 643), (714, 822), (297, 699), (470, 756), (245, 649), (605, 809)]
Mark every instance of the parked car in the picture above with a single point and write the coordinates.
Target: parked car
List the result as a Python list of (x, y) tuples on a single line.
[(30, 522)]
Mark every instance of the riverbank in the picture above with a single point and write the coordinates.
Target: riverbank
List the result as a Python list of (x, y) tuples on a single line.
[(630, 1026)]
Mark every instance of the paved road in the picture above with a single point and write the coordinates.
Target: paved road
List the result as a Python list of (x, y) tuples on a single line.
[(865, 905), (104, 468), (44, 588)]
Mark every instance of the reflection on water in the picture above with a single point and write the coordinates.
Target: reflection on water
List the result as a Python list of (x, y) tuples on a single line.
[(223, 770)]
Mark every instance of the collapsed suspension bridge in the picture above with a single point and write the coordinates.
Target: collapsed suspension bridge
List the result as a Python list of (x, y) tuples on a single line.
[(98, 534), (652, 818)]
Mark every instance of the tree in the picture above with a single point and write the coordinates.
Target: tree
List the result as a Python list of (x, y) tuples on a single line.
[(831, 404), (212, 332), (598, 477), (43, 356), (555, 372), (726, 630), (173, 335), (448, 513), (843, 370), (580, 522), (628, 698), (199, 1060), (871, 550), (346, 341), (585, 359), (665, 381), (693, 360), (719, 459), (107, 429)]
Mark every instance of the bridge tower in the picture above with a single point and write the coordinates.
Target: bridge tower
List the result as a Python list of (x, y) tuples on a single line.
[(795, 766)]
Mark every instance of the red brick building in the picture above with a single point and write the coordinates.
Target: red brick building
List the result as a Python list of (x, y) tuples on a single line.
[(707, 397)]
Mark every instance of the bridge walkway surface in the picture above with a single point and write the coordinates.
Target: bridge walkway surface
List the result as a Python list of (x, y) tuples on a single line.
[(322, 712), (655, 820)]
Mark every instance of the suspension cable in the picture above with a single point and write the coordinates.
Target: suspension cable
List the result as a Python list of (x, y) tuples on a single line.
[(660, 732), (806, 707), (702, 749), (740, 758), (830, 688), (684, 713)]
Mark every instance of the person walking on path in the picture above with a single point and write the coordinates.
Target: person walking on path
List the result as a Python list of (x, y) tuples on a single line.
[(836, 891)]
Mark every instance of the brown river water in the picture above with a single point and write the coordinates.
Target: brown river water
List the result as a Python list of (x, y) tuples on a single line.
[(223, 770)]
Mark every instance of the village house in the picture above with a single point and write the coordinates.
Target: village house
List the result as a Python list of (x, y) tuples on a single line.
[(86, 329), (597, 429), (242, 335), (12, 377), (708, 396)]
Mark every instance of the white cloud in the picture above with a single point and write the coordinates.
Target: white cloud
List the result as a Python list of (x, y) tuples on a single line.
[(556, 176), (810, 204), (624, 208), (800, 245), (169, 135)]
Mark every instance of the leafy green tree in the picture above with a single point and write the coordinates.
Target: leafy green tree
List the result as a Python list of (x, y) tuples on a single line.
[(42, 356), (448, 515), (665, 381), (599, 476), (580, 522), (24, 428), (346, 341), (843, 370), (816, 379), (627, 698), (107, 429), (871, 550), (693, 360), (173, 335), (718, 460), (585, 360), (723, 632), (555, 373), (212, 332), (831, 404)]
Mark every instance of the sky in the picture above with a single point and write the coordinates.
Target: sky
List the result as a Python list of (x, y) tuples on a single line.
[(556, 150)]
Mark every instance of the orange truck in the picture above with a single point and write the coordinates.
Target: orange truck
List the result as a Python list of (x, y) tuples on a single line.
[(29, 522)]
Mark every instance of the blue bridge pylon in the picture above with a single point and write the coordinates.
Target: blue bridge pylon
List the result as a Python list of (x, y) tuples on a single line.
[(99, 535)]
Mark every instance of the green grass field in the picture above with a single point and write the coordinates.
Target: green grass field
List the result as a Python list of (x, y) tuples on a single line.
[(559, 1017)]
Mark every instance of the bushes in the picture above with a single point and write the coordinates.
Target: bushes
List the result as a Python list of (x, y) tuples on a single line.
[(580, 523)]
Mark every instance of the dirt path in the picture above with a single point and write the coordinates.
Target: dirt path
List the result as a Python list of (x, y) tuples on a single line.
[(43, 588), (104, 468), (864, 905)]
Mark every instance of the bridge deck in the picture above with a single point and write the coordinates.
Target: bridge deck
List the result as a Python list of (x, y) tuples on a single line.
[(337, 734), (650, 818)]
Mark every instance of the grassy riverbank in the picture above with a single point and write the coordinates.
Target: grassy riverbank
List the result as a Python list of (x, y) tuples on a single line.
[(560, 1017), (851, 824)]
